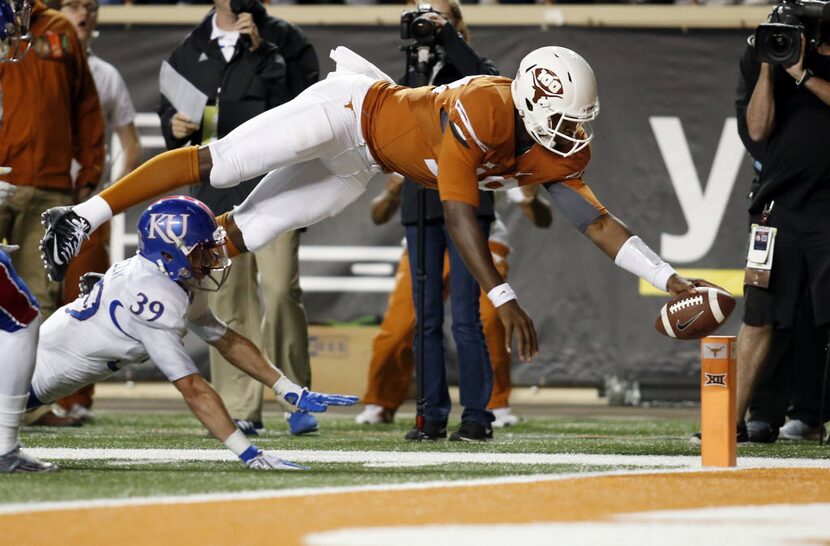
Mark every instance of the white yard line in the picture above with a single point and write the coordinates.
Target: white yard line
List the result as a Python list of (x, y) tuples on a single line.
[(414, 458), (771, 525)]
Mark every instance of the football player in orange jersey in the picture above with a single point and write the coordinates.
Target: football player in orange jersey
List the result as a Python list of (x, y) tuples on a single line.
[(322, 149)]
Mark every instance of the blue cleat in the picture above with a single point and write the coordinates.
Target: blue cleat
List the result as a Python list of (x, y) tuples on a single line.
[(301, 422)]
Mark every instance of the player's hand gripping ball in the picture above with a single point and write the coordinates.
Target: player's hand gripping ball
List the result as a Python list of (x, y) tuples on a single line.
[(693, 315)]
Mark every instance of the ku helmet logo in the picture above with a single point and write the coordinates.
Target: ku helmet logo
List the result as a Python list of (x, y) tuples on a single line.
[(546, 86), (715, 380), (164, 226)]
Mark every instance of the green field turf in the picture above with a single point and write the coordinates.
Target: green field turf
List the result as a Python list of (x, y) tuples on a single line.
[(84, 479)]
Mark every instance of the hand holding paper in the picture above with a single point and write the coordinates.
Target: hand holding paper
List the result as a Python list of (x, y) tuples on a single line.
[(182, 94)]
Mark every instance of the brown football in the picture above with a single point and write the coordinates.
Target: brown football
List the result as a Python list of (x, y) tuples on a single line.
[(693, 315)]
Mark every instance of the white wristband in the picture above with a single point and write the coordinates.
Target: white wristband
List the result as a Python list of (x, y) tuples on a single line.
[(284, 388), (237, 442), (636, 257), (501, 294)]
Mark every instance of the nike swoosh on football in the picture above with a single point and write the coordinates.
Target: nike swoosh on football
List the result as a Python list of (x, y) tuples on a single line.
[(683, 326)]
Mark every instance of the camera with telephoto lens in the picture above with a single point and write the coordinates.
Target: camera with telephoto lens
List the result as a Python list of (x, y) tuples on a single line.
[(415, 25), (779, 41)]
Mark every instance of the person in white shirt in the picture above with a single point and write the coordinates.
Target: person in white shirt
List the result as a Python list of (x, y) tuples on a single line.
[(143, 306)]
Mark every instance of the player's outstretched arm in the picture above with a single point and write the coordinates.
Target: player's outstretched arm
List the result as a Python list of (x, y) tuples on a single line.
[(242, 353), (630, 253), (463, 226), (209, 409), (206, 405)]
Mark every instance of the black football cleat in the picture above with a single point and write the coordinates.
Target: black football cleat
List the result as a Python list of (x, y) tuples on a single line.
[(65, 231)]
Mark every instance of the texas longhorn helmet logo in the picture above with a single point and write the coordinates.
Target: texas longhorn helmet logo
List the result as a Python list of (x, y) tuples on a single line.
[(546, 86), (164, 227)]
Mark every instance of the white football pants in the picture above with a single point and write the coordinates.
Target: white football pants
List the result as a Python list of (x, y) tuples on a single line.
[(313, 151)]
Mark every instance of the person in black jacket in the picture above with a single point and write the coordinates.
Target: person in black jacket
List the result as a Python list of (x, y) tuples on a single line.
[(455, 59), (247, 63)]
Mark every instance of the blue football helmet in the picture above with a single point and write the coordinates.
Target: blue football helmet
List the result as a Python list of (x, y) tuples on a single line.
[(14, 29), (180, 235)]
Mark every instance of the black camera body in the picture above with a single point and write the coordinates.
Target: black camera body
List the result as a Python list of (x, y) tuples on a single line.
[(416, 26), (779, 41)]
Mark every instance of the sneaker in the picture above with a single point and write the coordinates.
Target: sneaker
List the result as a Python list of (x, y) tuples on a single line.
[(741, 435), (301, 422), (17, 461), (65, 232), (433, 430), (761, 432), (249, 428), (373, 414), (795, 429), (504, 417), (472, 431)]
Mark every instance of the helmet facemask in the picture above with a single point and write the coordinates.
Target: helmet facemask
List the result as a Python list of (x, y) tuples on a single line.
[(564, 135), (209, 264)]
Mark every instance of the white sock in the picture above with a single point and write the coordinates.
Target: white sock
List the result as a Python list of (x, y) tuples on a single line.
[(95, 210), (16, 367), (12, 409)]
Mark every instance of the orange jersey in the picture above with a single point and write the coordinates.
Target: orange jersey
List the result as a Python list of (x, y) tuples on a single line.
[(460, 138)]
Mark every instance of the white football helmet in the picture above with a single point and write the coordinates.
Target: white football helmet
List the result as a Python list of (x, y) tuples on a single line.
[(555, 92)]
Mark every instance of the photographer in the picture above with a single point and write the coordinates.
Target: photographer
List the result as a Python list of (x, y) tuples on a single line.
[(784, 121), (247, 62), (450, 59)]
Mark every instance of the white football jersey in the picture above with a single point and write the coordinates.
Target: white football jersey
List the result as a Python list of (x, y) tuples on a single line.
[(134, 313)]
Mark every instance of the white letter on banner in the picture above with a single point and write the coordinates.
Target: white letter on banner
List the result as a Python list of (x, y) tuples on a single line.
[(703, 210)]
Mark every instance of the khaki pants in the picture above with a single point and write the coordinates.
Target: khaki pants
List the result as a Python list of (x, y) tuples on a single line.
[(276, 322), (20, 225), (390, 371)]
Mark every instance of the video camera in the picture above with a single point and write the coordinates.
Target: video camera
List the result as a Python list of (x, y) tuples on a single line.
[(416, 26), (779, 41)]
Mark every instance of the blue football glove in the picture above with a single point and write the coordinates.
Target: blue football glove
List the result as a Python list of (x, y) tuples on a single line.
[(309, 400)]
